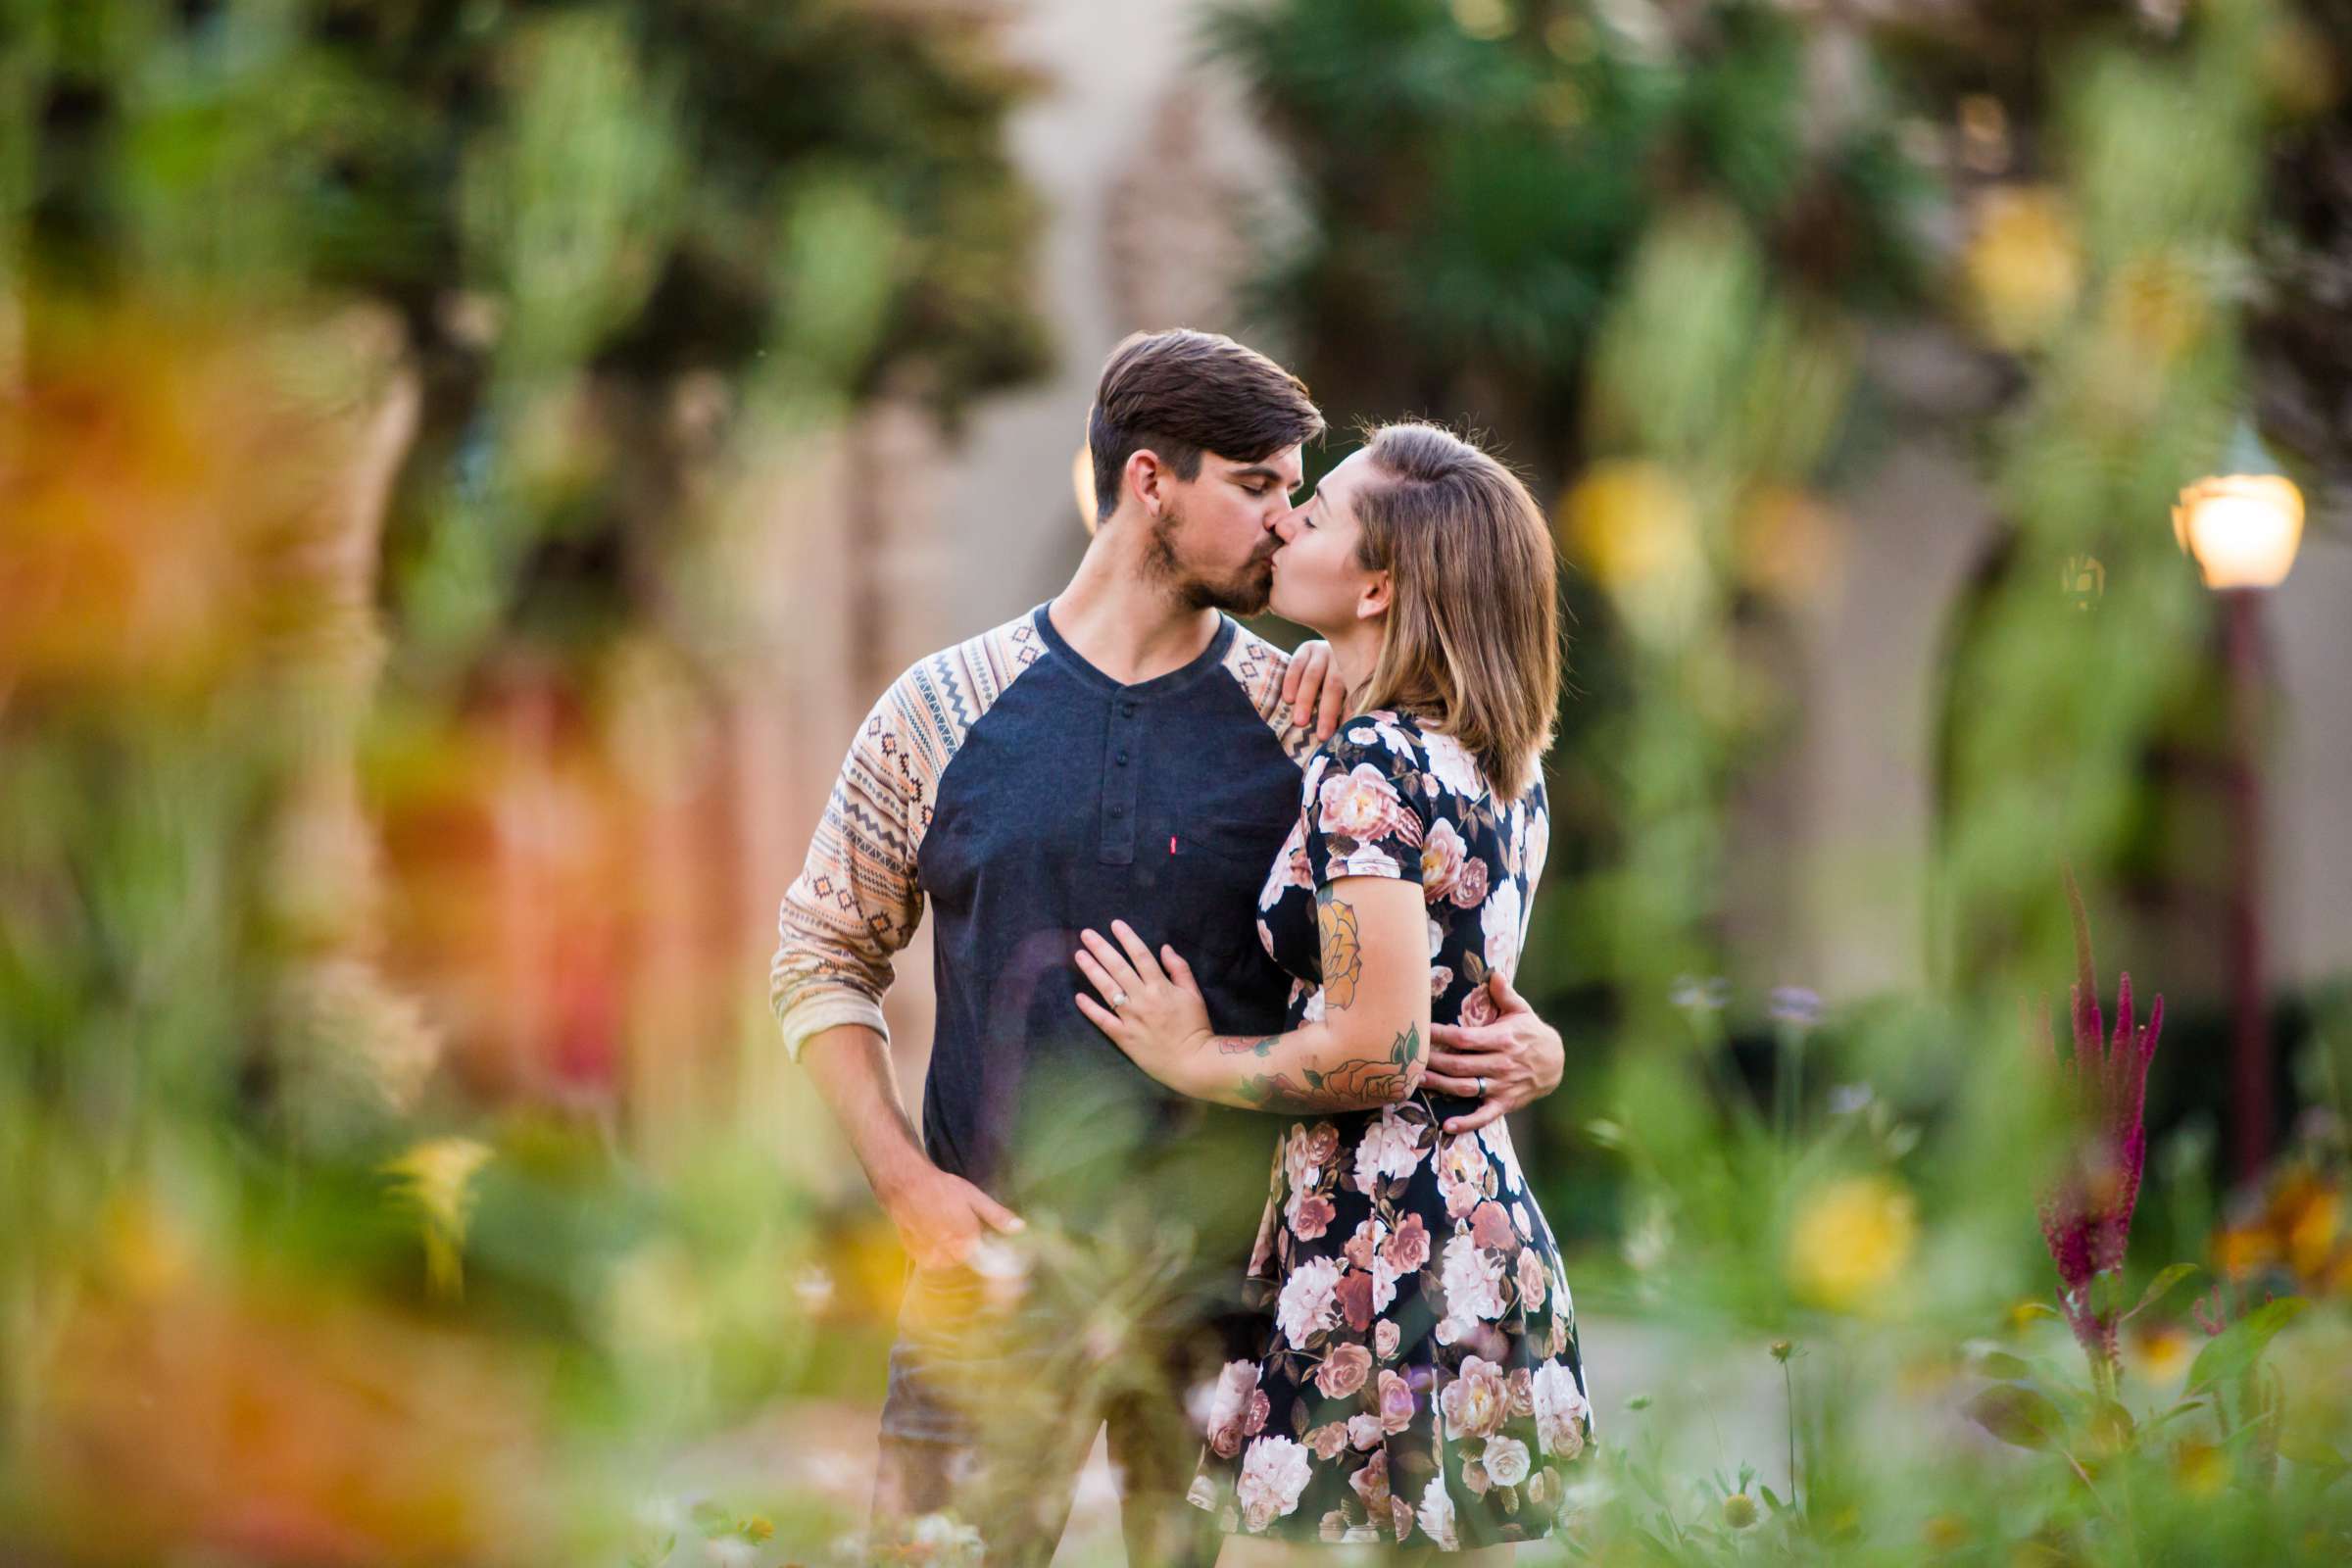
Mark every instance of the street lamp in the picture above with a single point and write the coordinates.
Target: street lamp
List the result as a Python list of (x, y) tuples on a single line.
[(2242, 526), (1082, 486)]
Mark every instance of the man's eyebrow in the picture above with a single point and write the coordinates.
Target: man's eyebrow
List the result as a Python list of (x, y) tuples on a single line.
[(1260, 470)]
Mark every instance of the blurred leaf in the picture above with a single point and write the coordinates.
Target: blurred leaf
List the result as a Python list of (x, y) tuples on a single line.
[(2158, 1287), (2001, 1365), (2018, 1414), (2239, 1345)]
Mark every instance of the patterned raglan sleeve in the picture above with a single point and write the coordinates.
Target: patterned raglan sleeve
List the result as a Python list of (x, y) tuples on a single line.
[(1258, 668), (1364, 797), (856, 900)]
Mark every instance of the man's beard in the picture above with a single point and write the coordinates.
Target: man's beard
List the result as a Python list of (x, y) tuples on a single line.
[(1244, 594)]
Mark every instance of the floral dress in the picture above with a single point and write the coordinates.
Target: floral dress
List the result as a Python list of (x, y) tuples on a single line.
[(1420, 1381)]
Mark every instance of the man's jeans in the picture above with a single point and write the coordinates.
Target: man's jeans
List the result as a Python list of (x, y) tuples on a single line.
[(991, 1413)]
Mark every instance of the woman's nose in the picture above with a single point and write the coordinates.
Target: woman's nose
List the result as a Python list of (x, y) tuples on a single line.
[(1283, 523)]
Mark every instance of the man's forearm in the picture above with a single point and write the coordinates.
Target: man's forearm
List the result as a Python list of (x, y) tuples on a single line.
[(853, 1071)]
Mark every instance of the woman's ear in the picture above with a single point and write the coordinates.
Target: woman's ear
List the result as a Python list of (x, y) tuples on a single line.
[(1374, 600)]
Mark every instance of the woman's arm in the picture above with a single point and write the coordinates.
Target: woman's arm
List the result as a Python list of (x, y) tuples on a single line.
[(1369, 1049)]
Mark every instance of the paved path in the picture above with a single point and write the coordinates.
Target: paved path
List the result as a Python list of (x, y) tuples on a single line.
[(1717, 1410)]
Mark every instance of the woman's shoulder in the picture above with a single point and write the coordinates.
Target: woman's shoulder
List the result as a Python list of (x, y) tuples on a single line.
[(1375, 767), (1390, 742)]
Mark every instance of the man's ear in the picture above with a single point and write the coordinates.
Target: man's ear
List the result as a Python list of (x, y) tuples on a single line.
[(1147, 479), (1374, 600)]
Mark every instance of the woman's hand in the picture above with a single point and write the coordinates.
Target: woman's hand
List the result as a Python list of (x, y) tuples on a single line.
[(1155, 1012), (1310, 691)]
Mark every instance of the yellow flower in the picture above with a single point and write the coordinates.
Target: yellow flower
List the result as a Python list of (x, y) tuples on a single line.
[(1739, 1510), (2023, 267), (436, 1178), (2306, 1216), (1851, 1239), (2024, 1314), (2158, 1354), (2201, 1467), (2242, 1251), (1633, 525)]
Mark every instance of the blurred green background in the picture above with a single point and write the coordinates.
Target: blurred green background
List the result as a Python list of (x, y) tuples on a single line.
[(465, 465)]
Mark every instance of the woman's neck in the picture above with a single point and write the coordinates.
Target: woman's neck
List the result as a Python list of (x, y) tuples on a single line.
[(1355, 656)]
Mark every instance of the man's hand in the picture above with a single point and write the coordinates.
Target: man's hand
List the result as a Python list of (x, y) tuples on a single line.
[(1518, 1055), (939, 1216), (1312, 693)]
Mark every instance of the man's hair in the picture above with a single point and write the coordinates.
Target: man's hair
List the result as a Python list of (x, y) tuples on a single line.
[(1473, 641), (1181, 393)]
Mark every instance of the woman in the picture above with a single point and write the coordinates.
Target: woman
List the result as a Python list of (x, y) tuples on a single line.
[(1420, 1383)]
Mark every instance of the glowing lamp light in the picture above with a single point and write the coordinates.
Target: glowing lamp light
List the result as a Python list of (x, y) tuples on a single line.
[(1082, 486), (2242, 527)]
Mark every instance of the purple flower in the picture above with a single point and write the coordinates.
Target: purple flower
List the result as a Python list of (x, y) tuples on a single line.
[(2086, 1216), (1794, 1004)]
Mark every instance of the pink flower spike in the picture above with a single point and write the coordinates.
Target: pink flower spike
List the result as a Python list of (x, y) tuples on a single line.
[(2086, 1217)]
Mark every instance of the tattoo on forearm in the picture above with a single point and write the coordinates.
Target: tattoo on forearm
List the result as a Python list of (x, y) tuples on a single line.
[(1343, 952), (1235, 1045), (1350, 1086)]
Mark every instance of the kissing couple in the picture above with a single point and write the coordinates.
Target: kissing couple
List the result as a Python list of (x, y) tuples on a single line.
[(1198, 907)]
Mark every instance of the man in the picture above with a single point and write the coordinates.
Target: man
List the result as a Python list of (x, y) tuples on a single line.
[(1125, 751)]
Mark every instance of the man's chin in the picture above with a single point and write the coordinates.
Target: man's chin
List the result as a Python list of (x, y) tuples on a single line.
[(1247, 595)]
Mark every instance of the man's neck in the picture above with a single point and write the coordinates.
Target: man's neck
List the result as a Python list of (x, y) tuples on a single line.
[(1121, 619)]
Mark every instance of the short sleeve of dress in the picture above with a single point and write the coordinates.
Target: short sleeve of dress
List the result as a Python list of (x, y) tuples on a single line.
[(1365, 795)]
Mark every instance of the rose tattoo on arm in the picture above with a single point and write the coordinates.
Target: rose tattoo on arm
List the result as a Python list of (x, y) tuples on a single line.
[(1343, 951)]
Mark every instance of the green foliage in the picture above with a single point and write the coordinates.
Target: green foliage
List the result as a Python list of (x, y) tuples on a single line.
[(1475, 200), (558, 199)]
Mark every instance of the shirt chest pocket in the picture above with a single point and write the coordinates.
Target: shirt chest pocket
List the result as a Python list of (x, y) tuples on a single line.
[(1216, 868), (1236, 839), (968, 850)]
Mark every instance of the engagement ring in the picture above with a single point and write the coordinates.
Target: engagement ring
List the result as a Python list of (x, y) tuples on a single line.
[(1118, 1000)]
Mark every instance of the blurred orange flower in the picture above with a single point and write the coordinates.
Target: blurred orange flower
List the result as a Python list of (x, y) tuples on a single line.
[(167, 497), (283, 1424)]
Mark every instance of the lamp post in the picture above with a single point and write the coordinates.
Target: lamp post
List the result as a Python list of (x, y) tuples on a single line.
[(2242, 527)]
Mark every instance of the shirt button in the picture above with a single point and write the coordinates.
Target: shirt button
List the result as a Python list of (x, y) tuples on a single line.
[(1123, 759), (1127, 708), (1118, 811)]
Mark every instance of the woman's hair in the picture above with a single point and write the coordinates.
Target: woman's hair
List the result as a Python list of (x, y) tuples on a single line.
[(1473, 642)]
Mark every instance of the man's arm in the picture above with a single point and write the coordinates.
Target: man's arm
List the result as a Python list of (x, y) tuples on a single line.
[(856, 904), (938, 1216), (1519, 1055)]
